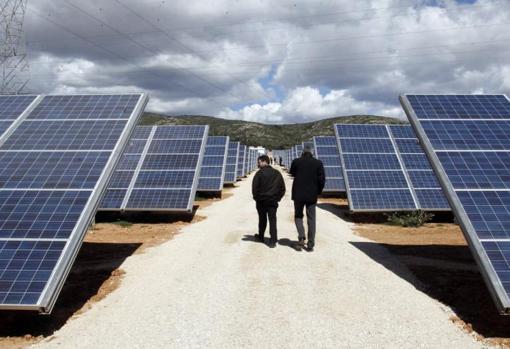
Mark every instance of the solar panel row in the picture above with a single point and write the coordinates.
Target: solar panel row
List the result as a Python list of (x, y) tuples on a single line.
[(59, 152), (467, 139), (385, 169), (212, 172), (232, 162), (326, 150), (159, 170)]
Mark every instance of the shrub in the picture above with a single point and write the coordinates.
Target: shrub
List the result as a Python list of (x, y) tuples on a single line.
[(409, 219)]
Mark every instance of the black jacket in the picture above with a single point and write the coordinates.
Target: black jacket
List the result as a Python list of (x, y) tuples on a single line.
[(268, 185), (309, 178)]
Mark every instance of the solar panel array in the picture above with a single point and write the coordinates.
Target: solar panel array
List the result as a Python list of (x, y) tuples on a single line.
[(326, 150), (241, 161), (232, 162), (379, 177), (212, 172), (467, 138), (57, 154), (159, 170)]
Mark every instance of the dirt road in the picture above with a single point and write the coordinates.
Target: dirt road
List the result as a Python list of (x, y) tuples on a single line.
[(213, 287)]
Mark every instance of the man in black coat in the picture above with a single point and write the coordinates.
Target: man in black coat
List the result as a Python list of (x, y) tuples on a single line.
[(309, 181), (268, 188)]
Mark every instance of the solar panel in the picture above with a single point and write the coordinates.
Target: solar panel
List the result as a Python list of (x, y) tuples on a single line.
[(423, 180), (326, 150), (466, 138), (55, 167), (241, 161), (232, 160), (213, 166), (385, 169), (159, 170)]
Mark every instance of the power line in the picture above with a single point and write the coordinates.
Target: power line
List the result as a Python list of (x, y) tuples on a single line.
[(142, 45)]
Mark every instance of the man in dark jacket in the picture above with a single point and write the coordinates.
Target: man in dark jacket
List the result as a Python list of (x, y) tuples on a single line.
[(268, 189), (309, 181)]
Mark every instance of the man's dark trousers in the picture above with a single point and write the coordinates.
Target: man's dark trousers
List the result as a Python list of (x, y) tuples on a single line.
[(267, 210), (310, 218)]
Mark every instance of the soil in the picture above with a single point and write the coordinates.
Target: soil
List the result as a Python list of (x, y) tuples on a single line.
[(95, 273)]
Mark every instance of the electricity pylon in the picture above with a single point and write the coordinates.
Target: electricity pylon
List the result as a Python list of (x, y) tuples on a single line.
[(13, 52)]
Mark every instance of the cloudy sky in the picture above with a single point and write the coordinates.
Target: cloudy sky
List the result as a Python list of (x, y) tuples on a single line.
[(270, 61)]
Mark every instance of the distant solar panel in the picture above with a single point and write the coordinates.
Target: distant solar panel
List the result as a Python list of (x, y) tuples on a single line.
[(161, 175), (326, 150), (232, 161), (214, 163), (467, 139), (385, 169), (55, 166), (241, 161)]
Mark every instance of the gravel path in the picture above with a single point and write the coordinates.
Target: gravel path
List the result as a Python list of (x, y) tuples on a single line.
[(209, 288)]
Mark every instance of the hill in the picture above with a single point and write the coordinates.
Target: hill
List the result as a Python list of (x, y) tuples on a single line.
[(269, 136)]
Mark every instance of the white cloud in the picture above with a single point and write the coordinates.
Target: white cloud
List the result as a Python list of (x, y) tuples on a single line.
[(328, 58), (304, 104)]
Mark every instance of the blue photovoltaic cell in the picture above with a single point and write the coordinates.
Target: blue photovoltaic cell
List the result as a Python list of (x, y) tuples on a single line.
[(179, 132), (403, 132), (240, 161), (232, 160), (11, 107), (366, 145), (478, 170), (326, 150), (113, 198), (371, 162), (51, 170), (85, 107), (165, 179), (135, 146), (476, 177), (424, 179), (175, 146), (168, 160), (121, 179), (334, 184), (156, 199), (211, 183), (26, 267), (409, 146), (332, 172), (142, 133), (128, 162), (468, 134), (460, 106), (40, 214), (377, 180), (58, 159), (432, 199), (361, 131), (66, 135), (382, 199), (382, 158)]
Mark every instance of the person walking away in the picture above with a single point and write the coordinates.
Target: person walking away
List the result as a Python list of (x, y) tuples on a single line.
[(309, 181), (268, 188)]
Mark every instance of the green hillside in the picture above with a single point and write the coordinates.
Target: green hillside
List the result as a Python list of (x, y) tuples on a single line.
[(269, 136)]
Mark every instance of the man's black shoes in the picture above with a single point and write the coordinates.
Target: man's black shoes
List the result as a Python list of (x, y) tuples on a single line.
[(272, 244), (259, 238)]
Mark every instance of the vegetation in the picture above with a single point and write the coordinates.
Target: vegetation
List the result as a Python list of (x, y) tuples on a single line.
[(123, 224), (410, 219), (268, 136)]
